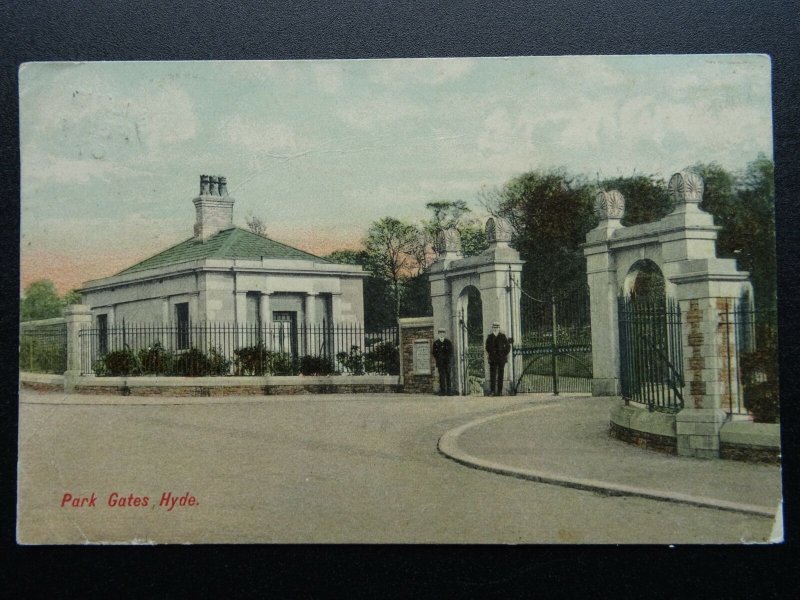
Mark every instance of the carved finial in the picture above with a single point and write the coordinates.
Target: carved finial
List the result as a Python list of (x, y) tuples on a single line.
[(223, 186), (497, 230), (204, 185), (447, 241), (212, 180), (609, 205), (686, 187)]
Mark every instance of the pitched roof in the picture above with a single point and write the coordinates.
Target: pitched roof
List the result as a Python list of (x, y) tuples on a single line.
[(234, 243)]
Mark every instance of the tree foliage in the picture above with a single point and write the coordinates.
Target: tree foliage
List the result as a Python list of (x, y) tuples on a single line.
[(256, 225), (390, 245), (646, 198), (744, 207), (378, 297), (550, 214), (41, 301), (447, 214)]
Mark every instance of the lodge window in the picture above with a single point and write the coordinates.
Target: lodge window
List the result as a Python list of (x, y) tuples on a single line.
[(285, 332), (102, 334), (182, 319)]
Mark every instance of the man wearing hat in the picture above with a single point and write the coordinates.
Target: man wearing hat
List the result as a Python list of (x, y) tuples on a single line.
[(442, 351), (497, 347)]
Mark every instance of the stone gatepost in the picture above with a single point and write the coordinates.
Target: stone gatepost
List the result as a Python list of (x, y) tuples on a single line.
[(705, 287), (682, 245), (495, 273), (76, 316), (601, 271), (417, 368)]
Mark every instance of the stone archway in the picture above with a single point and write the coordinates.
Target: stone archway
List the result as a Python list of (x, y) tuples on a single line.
[(471, 369), (681, 247), (494, 275), (645, 280)]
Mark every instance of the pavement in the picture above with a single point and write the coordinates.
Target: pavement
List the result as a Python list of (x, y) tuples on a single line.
[(296, 468), (564, 441)]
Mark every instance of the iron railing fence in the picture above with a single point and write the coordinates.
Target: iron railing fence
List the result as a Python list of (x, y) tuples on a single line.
[(43, 347), (215, 348), (651, 353), (750, 359)]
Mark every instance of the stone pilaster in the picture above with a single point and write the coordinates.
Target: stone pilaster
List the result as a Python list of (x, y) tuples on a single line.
[(76, 316), (601, 271)]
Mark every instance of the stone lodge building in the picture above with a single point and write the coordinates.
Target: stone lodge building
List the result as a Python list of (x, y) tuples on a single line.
[(228, 274)]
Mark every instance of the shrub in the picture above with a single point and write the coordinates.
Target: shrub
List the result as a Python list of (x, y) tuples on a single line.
[(760, 383), (156, 359), (315, 365), (192, 363), (218, 364), (40, 356), (352, 361), (383, 358), (120, 362), (252, 360), (282, 363)]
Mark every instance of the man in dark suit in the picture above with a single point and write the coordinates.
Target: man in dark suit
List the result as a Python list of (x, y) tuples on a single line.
[(497, 347), (442, 351)]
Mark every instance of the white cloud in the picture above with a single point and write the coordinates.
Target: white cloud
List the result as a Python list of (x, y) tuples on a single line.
[(167, 116), (429, 71), (46, 169), (264, 137), (377, 112), (87, 116), (329, 76)]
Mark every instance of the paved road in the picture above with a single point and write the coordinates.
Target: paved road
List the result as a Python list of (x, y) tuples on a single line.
[(310, 469)]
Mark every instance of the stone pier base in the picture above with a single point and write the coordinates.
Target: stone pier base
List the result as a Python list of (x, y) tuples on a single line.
[(698, 431), (605, 386)]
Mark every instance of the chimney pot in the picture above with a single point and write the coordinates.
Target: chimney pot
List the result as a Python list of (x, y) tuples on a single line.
[(213, 207)]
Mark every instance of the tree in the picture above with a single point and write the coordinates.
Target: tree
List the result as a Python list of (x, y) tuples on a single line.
[(473, 239), (71, 297), (256, 225), (378, 298), (646, 198), (40, 301), (744, 207), (446, 214), (550, 214), (390, 246), (349, 257)]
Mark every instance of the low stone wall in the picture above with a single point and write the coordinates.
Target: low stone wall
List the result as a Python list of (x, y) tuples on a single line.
[(648, 441), (739, 440), (41, 382), (751, 442), (216, 386)]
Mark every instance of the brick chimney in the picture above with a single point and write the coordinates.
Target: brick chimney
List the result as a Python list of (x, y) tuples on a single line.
[(213, 206)]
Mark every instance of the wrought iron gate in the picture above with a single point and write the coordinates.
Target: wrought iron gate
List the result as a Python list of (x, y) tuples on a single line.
[(472, 368), (555, 352), (651, 355)]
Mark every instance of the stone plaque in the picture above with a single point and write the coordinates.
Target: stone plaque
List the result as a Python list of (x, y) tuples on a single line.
[(421, 357)]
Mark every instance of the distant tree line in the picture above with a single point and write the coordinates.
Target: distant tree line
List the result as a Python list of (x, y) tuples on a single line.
[(40, 300), (550, 212), (398, 254)]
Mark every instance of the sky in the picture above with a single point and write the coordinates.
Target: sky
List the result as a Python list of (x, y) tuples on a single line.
[(112, 151)]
